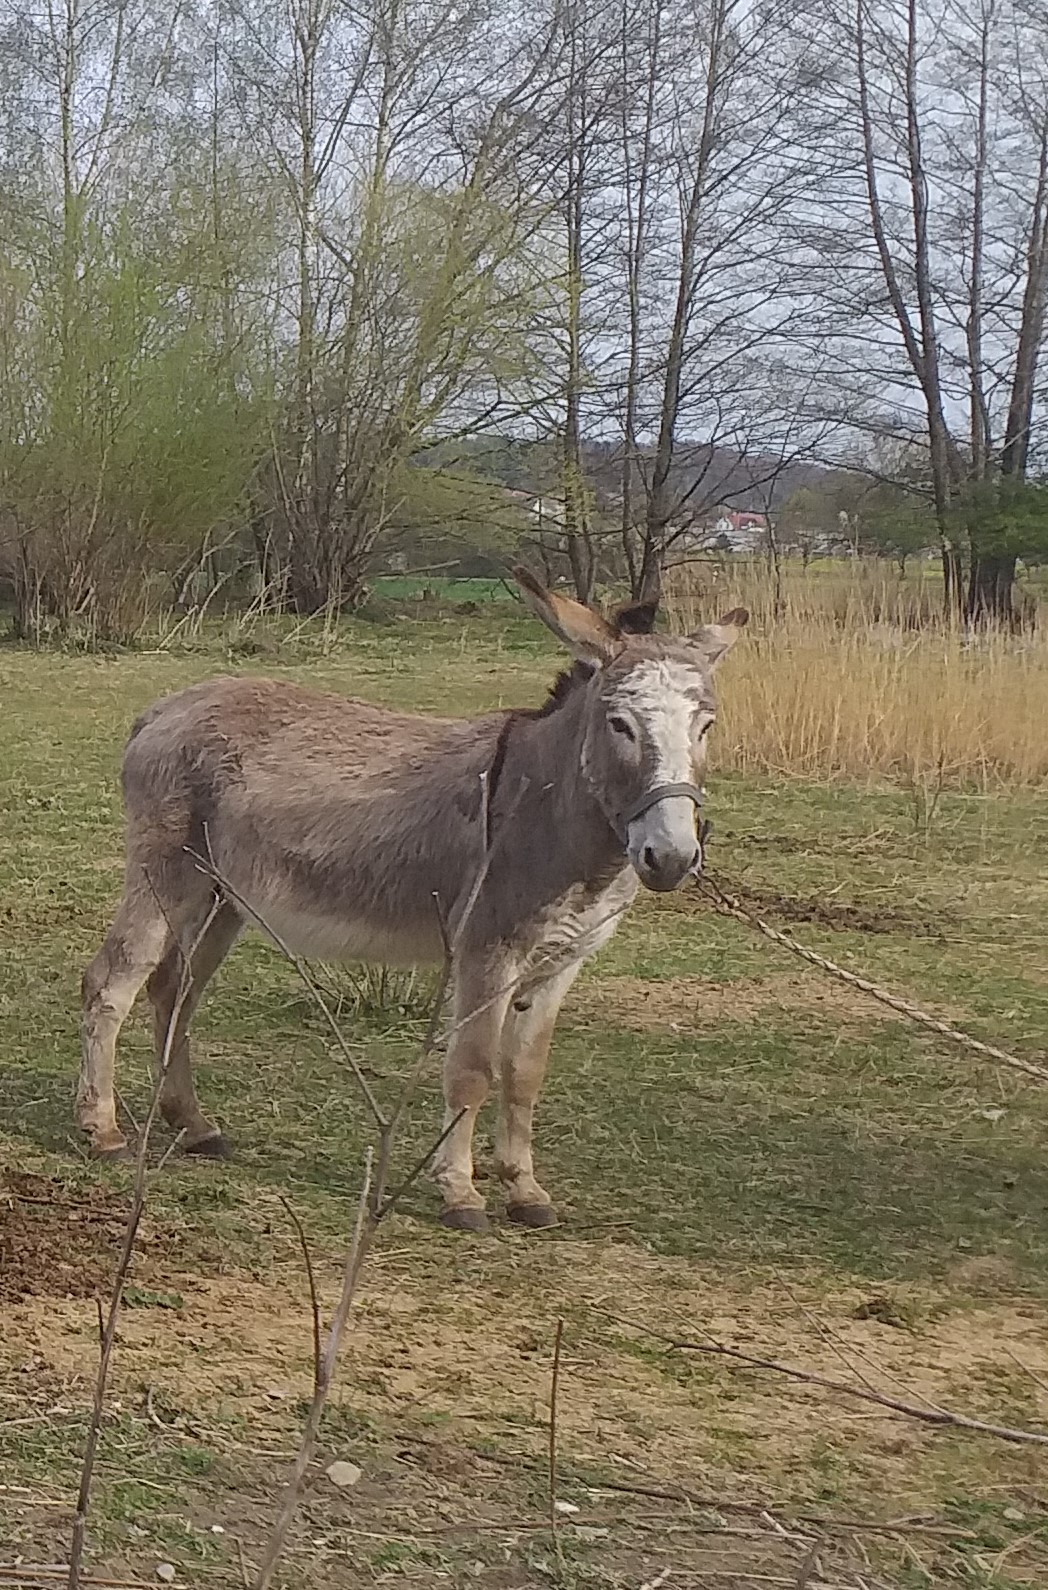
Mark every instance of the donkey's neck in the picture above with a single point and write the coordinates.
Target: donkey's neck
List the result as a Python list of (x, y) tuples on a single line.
[(544, 800)]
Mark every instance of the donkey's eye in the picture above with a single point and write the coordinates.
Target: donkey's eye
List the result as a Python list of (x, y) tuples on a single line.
[(621, 726)]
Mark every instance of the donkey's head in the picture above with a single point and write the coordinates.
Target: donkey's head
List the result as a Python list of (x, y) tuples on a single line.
[(649, 709)]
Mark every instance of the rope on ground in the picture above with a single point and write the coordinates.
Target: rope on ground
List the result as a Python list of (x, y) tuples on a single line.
[(729, 905)]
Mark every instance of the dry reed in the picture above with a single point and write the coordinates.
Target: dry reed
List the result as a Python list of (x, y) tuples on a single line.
[(851, 675)]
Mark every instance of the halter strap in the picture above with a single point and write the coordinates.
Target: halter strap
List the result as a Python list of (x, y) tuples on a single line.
[(660, 792)]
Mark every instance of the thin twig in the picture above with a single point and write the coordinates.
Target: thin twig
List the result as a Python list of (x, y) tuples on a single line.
[(242, 1564), (838, 1347), (554, 1387), (313, 1299), (451, 939), (729, 905), (170, 1149), (134, 1220), (1043, 1385), (808, 1567), (29, 1573), (936, 1416), (393, 1198), (721, 1504), (325, 1371)]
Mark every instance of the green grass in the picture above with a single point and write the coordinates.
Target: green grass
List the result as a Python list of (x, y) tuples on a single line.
[(830, 1146)]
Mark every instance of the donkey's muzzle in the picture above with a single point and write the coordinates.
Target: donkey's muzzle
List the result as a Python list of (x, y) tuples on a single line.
[(663, 873), (662, 843)]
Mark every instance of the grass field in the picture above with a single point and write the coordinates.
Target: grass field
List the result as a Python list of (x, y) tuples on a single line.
[(737, 1148)]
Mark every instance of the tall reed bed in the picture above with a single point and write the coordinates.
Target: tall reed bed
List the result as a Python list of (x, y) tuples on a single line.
[(849, 673)]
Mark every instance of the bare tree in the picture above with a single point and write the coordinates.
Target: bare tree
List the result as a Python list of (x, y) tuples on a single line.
[(712, 162), (942, 288), (413, 288)]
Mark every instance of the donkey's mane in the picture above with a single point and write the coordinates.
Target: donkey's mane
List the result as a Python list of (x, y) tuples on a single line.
[(566, 682), (564, 686)]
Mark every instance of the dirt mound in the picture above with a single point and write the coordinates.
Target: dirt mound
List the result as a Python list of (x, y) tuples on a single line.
[(53, 1244)]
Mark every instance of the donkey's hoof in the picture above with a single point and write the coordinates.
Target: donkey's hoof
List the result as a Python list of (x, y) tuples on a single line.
[(537, 1217), (217, 1146), (464, 1218)]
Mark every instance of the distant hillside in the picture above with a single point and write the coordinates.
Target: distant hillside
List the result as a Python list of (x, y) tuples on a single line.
[(714, 476)]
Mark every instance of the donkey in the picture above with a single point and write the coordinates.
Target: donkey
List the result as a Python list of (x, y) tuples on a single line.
[(340, 826)]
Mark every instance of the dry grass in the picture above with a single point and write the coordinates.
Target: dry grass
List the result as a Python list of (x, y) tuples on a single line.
[(856, 678)]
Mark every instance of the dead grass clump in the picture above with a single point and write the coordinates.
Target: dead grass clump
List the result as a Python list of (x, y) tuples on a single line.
[(851, 680)]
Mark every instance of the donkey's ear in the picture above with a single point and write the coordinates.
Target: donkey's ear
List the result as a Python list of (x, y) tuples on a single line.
[(585, 633), (713, 640), (635, 618)]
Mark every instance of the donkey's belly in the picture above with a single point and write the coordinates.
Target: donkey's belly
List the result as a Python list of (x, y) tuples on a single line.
[(319, 936)]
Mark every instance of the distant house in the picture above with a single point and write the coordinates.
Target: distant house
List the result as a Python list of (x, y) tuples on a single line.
[(739, 532), (547, 510), (747, 532)]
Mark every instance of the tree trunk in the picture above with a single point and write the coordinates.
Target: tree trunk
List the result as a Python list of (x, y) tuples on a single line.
[(648, 583), (573, 483), (660, 496), (990, 582), (637, 190), (952, 581)]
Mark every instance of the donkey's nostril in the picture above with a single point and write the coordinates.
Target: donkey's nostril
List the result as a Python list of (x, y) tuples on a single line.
[(649, 858)]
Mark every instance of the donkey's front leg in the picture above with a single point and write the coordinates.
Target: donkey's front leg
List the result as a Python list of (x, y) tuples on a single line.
[(482, 992), (524, 1051)]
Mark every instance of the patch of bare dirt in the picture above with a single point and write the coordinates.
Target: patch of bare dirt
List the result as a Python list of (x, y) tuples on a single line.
[(840, 915), (442, 1400), (674, 1004), (474, 1352), (53, 1244)]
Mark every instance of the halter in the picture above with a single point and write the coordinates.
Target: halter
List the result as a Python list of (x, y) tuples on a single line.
[(661, 792)]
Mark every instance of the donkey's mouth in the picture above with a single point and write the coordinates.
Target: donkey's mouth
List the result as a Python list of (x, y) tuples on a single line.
[(663, 874)]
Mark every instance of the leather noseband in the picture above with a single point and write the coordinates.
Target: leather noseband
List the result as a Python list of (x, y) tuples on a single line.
[(661, 792)]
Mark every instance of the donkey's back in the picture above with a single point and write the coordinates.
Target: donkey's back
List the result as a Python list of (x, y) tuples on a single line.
[(335, 821)]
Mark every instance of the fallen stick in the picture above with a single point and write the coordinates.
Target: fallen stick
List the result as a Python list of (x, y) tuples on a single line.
[(45, 1572), (942, 1417)]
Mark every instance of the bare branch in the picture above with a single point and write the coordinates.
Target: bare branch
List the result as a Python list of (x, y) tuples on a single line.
[(938, 1416), (134, 1220)]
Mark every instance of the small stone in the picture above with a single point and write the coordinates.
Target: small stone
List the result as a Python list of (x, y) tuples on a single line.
[(993, 1114), (591, 1532), (566, 1507), (276, 1393), (1015, 1515), (216, 1529), (165, 1572), (343, 1475)]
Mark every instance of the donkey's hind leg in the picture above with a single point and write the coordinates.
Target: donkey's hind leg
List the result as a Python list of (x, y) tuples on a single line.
[(526, 1037), (178, 1100), (481, 997), (134, 945)]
